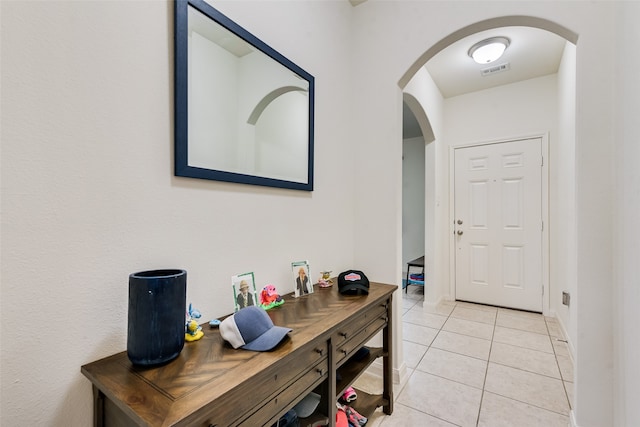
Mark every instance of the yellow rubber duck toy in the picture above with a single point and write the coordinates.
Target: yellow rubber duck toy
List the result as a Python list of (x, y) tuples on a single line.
[(194, 331)]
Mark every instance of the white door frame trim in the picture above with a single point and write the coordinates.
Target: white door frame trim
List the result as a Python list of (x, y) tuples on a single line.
[(544, 204)]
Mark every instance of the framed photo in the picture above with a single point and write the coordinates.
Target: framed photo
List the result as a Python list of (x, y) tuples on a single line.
[(244, 290), (301, 278)]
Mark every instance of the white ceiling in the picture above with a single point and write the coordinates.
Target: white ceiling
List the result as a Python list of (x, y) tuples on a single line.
[(532, 53)]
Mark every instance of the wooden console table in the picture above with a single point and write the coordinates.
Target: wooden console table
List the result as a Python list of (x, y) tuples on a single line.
[(211, 384)]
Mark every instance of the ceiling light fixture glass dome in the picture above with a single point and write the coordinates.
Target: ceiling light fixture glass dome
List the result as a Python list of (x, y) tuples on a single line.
[(489, 50)]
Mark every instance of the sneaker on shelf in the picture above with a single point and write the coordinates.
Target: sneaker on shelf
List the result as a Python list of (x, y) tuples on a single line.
[(349, 395)]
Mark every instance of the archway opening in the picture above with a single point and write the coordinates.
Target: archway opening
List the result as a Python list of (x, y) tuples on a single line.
[(431, 113)]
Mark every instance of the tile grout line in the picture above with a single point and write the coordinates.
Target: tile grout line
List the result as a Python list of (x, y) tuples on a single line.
[(486, 372), (413, 369), (431, 342), (423, 356), (564, 386), (455, 304), (551, 353), (533, 405), (527, 371)]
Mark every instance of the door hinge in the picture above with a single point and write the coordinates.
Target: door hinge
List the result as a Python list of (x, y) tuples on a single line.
[(541, 160), (541, 225)]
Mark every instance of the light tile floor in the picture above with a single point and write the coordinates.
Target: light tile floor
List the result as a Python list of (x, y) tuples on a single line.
[(477, 365)]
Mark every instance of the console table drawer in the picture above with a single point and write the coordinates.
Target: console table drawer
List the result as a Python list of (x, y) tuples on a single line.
[(352, 345), (347, 330), (284, 400), (242, 400)]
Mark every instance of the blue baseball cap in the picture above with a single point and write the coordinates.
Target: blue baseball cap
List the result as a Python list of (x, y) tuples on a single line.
[(251, 328)]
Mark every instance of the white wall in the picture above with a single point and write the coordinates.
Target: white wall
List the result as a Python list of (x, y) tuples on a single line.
[(514, 110), (562, 173), (89, 196), (627, 211), (594, 197)]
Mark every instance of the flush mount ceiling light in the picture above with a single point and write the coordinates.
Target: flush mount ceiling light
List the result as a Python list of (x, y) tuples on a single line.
[(487, 51)]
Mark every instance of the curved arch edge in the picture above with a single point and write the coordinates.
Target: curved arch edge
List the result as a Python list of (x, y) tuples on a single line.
[(488, 24), (268, 99)]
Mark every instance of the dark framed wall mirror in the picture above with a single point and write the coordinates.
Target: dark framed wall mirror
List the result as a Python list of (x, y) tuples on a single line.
[(243, 112)]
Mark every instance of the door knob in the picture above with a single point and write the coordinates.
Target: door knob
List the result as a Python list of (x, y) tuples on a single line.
[(459, 222), (460, 232)]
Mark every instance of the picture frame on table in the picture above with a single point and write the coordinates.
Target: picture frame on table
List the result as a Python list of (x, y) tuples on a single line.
[(301, 278), (244, 290)]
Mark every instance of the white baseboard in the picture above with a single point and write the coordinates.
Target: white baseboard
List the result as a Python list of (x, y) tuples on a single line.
[(400, 375), (572, 350), (572, 419), (432, 305), (563, 329)]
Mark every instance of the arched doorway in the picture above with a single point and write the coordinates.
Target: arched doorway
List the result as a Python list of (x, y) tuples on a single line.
[(442, 214), (417, 188)]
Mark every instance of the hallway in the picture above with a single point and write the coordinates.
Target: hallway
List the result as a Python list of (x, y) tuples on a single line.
[(476, 365)]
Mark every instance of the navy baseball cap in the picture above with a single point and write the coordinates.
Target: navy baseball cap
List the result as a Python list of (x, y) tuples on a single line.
[(251, 328), (353, 282)]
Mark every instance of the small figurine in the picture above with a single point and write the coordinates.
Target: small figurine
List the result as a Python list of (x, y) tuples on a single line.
[(325, 279), (193, 331), (270, 298), (194, 312)]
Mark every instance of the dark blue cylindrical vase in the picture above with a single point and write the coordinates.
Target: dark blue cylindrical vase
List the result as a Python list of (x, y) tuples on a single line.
[(157, 304)]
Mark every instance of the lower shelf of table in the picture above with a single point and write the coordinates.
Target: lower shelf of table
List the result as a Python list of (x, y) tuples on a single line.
[(367, 403), (315, 420), (350, 371)]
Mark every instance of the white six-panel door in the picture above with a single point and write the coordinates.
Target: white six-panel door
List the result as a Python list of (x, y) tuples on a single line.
[(498, 224)]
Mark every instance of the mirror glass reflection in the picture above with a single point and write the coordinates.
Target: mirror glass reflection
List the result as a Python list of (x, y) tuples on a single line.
[(250, 110)]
